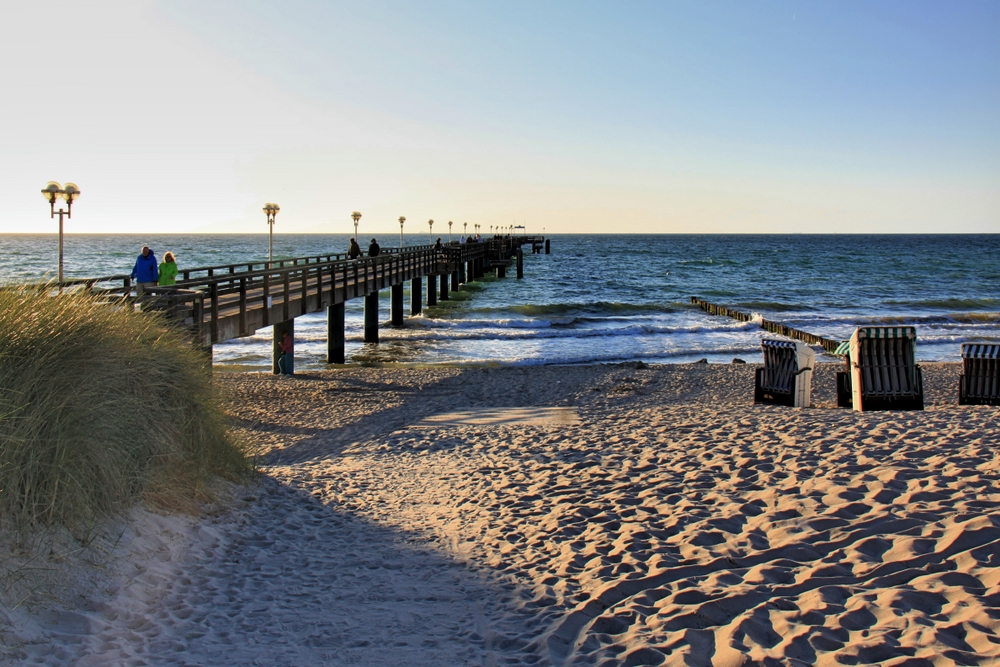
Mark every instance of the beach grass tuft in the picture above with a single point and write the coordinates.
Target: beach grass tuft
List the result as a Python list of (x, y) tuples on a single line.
[(102, 406)]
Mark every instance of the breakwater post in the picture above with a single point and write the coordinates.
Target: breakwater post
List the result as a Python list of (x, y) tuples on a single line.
[(828, 344)]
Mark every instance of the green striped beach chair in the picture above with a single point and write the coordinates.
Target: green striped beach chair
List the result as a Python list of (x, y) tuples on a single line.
[(980, 380), (786, 378), (884, 372)]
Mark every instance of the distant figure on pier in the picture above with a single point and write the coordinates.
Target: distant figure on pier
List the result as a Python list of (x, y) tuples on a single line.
[(479, 239), (168, 270), (461, 240), (438, 247), (374, 248), (355, 250), (144, 272)]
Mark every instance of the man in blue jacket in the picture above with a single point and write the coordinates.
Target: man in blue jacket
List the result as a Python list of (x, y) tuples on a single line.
[(144, 272)]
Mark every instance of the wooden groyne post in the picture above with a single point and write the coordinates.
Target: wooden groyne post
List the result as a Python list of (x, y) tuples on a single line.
[(828, 344)]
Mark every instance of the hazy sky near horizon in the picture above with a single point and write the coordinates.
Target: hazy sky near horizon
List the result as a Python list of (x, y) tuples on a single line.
[(188, 116)]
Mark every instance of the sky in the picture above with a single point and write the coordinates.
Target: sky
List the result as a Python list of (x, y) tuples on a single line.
[(572, 117)]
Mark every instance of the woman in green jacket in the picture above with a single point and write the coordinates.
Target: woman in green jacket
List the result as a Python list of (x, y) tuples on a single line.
[(168, 270)]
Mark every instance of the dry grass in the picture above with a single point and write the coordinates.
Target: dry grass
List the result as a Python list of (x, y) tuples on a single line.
[(101, 406)]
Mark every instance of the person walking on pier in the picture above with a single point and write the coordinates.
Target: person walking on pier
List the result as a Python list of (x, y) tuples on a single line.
[(168, 270), (355, 250), (374, 248), (437, 246), (144, 272)]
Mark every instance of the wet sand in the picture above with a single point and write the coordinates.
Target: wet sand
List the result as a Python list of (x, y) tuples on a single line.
[(592, 515)]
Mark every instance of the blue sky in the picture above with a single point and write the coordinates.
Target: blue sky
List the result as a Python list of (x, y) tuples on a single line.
[(579, 117)]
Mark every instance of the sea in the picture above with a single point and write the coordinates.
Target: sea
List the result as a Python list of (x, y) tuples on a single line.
[(607, 298)]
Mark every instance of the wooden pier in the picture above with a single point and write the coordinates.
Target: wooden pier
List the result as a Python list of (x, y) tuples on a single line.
[(828, 344), (219, 303)]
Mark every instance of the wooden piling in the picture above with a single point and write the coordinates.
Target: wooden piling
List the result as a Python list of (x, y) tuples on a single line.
[(416, 295), (444, 286), (396, 305), (432, 291), (371, 317), (520, 263), (335, 338)]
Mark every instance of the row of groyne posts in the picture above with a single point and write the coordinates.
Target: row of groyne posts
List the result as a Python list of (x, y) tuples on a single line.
[(219, 303), (828, 344)]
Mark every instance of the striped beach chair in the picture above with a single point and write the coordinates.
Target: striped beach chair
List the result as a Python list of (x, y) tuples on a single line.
[(980, 380), (845, 398), (884, 372), (786, 378)]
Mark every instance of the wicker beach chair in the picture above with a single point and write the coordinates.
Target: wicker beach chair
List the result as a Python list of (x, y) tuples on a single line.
[(845, 398), (884, 372), (786, 378), (980, 380)]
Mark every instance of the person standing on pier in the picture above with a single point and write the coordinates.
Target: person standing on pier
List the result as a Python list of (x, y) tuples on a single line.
[(355, 250), (437, 246), (144, 272), (374, 248), (168, 270)]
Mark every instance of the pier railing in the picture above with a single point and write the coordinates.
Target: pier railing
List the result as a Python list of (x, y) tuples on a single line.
[(234, 300)]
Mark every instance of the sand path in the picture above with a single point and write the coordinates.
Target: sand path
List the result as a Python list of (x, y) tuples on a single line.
[(672, 523)]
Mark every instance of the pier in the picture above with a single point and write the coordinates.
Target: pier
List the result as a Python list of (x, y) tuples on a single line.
[(219, 303)]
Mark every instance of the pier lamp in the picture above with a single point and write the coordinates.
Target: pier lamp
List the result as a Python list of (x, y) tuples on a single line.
[(430, 226), (357, 216), (449, 231), (402, 219), (491, 230), (465, 231), (68, 193), (271, 211)]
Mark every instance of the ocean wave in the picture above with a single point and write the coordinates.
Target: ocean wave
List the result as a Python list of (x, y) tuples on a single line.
[(497, 333), (590, 308), (982, 318), (985, 303)]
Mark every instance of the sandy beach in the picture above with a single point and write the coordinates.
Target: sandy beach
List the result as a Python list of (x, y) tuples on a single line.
[(586, 515)]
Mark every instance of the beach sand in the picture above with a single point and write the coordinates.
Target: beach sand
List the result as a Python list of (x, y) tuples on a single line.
[(592, 515)]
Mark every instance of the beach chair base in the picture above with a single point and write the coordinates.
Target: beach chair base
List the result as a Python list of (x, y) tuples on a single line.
[(769, 397), (914, 402), (845, 398), (965, 399)]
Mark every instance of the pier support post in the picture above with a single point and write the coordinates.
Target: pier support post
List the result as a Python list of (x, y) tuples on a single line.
[(461, 273), (335, 338), (444, 286), (546, 246), (371, 317), (520, 264), (432, 291), (454, 281), (501, 271), (282, 362), (396, 305), (416, 295)]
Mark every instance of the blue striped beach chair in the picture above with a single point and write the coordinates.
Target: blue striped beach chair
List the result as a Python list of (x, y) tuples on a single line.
[(884, 372), (980, 380), (786, 378)]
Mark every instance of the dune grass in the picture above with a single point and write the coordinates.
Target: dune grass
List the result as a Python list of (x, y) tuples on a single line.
[(101, 406)]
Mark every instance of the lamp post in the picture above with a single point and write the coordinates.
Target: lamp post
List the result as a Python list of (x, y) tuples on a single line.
[(357, 216), (465, 231), (271, 211), (68, 193), (449, 231), (402, 219), (430, 226)]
